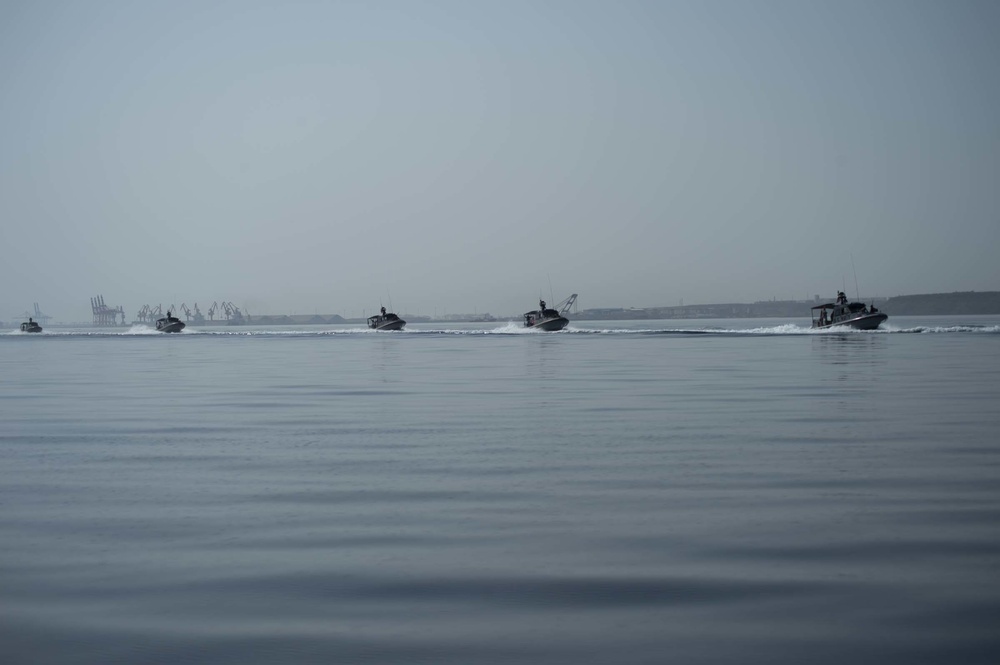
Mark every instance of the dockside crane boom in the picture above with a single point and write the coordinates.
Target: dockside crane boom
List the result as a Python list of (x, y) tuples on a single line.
[(233, 312), (565, 305), (104, 315), (41, 316)]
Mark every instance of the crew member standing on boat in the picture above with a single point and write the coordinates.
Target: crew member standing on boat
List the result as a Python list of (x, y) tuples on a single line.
[(383, 310), (541, 305)]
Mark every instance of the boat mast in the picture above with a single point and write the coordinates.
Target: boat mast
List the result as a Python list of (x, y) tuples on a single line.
[(856, 289)]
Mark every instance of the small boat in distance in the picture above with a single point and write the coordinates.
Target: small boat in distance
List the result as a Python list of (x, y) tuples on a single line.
[(842, 313), (544, 318), (31, 326), (169, 324), (385, 321)]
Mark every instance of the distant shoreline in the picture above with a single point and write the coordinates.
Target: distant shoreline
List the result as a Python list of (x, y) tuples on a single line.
[(970, 303), (960, 303)]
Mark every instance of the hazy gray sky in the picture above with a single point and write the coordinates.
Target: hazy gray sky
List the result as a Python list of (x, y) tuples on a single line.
[(317, 156)]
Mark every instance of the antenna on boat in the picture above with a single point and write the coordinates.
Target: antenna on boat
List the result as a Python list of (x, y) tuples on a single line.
[(856, 289), (552, 297)]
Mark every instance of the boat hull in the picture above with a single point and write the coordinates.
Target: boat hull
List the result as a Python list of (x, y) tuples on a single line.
[(172, 327), (866, 322), (550, 325), (31, 328), (386, 321)]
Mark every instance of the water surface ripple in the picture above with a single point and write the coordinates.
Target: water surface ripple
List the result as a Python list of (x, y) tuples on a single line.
[(644, 492)]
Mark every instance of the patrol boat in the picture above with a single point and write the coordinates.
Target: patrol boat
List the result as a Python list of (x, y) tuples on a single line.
[(385, 321), (169, 324), (855, 315), (544, 318), (31, 326)]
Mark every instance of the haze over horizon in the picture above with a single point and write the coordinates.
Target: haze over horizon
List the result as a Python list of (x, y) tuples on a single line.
[(301, 157)]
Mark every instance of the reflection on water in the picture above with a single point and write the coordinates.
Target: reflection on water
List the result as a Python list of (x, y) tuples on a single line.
[(541, 364), (386, 359), (852, 364), (850, 348)]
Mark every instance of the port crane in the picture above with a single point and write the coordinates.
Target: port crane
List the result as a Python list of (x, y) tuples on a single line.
[(104, 315), (565, 305), (194, 315), (233, 313), (39, 316), (149, 314)]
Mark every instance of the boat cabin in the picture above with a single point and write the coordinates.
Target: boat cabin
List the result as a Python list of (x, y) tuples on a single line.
[(835, 313), (379, 319), (531, 318), (386, 321)]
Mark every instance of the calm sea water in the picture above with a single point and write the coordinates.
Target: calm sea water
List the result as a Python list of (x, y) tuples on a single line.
[(627, 492)]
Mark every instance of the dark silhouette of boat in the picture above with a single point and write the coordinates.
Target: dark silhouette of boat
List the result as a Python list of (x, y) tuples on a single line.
[(385, 321), (544, 318), (31, 326), (169, 324), (842, 313)]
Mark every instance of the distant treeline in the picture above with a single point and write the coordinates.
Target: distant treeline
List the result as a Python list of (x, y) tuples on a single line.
[(970, 302), (965, 302)]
